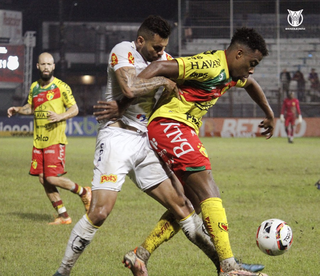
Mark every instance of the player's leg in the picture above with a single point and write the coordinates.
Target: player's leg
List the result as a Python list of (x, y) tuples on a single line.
[(287, 127), (193, 226), (179, 144), (110, 168), (147, 176), (54, 168), (214, 256), (292, 128), (213, 214), (38, 169), (83, 232), (57, 203)]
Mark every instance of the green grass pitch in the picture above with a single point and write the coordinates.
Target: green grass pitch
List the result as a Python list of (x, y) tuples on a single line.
[(258, 179)]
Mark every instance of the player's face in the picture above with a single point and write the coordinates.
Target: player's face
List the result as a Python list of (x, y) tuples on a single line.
[(244, 64), (46, 66), (153, 48)]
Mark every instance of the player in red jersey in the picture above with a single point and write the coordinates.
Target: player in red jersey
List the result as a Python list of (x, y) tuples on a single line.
[(52, 103), (290, 109)]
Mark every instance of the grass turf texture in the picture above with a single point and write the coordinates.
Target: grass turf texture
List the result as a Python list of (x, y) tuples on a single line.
[(258, 179)]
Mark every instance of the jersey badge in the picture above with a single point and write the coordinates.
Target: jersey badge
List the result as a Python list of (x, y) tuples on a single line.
[(50, 95), (202, 150), (114, 59), (130, 58), (34, 164)]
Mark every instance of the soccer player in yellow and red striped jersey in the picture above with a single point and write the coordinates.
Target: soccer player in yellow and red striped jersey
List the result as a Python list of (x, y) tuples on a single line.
[(52, 103), (174, 126)]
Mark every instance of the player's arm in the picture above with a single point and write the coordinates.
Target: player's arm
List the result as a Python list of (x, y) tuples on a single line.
[(256, 93), (166, 68), (70, 113), (133, 86), (299, 111), (23, 110)]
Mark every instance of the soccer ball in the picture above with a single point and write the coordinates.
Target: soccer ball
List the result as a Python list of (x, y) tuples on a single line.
[(274, 237)]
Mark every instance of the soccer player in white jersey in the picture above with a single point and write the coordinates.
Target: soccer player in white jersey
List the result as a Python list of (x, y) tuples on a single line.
[(122, 146)]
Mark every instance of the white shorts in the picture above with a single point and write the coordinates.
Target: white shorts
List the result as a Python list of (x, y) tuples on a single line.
[(120, 152)]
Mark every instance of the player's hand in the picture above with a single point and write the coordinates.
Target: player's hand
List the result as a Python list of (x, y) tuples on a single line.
[(300, 119), (172, 88), (281, 118), (108, 110), (12, 111), (268, 124), (54, 117)]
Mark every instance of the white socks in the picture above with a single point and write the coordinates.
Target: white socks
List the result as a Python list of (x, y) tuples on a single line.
[(195, 231), (81, 235)]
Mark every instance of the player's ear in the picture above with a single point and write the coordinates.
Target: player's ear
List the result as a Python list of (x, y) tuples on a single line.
[(38, 66), (140, 40), (239, 53)]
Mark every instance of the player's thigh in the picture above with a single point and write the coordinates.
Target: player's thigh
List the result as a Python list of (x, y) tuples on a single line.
[(171, 199), (54, 158), (178, 145), (37, 162), (202, 184), (148, 169), (115, 149)]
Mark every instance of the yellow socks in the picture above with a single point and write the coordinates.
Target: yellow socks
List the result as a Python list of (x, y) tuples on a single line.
[(165, 229), (215, 218)]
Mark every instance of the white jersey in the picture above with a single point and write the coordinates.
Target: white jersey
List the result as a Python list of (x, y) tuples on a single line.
[(125, 54)]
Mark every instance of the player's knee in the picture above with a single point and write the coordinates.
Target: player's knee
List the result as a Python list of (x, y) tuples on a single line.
[(41, 180), (98, 215), (51, 180)]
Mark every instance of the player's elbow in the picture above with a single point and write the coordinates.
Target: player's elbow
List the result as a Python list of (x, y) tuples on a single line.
[(128, 93), (76, 111)]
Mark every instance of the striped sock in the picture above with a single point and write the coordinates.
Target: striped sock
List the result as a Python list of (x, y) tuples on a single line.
[(61, 210), (78, 190)]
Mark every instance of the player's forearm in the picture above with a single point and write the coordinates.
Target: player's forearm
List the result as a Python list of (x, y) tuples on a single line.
[(25, 110), (257, 94), (70, 113), (140, 87), (133, 86)]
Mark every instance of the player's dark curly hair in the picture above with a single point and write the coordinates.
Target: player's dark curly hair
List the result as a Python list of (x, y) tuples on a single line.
[(154, 24), (250, 38)]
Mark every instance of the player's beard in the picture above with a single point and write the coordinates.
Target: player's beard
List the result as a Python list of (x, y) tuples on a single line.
[(47, 76)]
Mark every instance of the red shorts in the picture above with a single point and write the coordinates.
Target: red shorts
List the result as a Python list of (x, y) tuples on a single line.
[(49, 161), (178, 145), (290, 120)]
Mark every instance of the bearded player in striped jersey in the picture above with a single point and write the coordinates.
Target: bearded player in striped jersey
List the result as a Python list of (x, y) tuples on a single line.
[(52, 103)]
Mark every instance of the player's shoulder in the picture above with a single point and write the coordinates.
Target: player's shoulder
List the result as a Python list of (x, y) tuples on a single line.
[(61, 84), (122, 46), (35, 83)]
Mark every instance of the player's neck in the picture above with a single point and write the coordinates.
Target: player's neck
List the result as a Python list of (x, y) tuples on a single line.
[(44, 83)]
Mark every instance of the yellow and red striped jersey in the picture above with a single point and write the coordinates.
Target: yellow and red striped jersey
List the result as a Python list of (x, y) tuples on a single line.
[(56, 97), (203, 78)]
